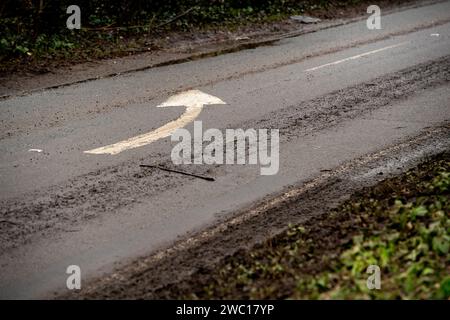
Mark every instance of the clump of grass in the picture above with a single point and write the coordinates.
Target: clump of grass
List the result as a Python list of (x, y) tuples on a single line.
[(411, 250)]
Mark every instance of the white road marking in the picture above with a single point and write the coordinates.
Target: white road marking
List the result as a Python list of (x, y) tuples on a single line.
[(434, 34), (354, 57), (194, 100), (35, 150)]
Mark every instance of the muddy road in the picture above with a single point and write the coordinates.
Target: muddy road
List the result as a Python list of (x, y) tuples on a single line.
[(343, 97)]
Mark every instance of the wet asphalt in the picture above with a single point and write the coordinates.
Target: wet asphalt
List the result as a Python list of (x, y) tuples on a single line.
[(335, 95)]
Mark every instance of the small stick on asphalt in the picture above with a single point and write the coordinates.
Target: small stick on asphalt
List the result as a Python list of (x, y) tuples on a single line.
[(177, 171), (10, 222)]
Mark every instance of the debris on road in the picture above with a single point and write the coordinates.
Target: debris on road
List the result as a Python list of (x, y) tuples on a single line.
[(177, 171)]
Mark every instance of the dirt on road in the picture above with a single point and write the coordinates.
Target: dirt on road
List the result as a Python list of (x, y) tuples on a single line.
[(193, 267), (99, 193)]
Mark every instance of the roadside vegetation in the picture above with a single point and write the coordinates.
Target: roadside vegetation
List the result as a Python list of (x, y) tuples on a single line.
[(34, 34), (402, 225)]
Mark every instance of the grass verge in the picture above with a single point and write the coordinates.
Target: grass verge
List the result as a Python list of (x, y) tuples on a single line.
[(401, 225)]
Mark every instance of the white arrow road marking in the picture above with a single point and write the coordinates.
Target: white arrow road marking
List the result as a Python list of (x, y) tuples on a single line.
[(354, 57), (193, 100)]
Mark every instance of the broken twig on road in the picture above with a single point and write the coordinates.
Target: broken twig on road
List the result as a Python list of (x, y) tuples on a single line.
[(177, 171)]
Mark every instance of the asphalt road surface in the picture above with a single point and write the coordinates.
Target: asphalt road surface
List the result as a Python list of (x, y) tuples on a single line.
[(335, 95)]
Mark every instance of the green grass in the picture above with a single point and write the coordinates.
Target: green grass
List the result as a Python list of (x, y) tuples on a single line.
[(411, 250)]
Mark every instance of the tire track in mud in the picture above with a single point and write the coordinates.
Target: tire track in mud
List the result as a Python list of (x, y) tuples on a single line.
[(104, 191), (164, 274)]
